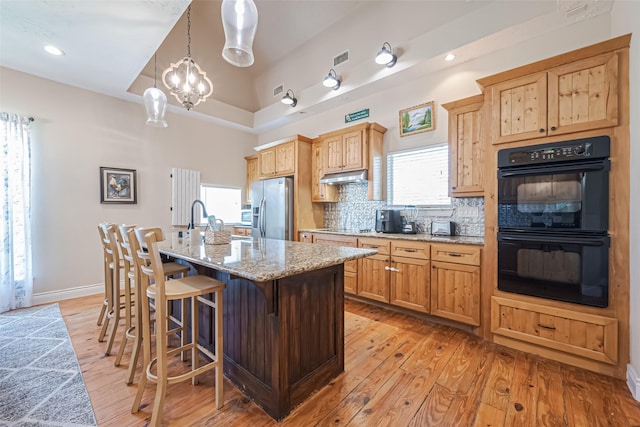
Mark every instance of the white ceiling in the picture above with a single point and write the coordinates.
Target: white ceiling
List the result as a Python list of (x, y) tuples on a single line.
[(110, 44)]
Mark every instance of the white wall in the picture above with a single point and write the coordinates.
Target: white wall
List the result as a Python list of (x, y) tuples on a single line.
[(77, 131), (625, 18)]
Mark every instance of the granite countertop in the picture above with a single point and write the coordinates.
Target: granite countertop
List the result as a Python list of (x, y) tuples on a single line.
[(424, 237), (262, 260)]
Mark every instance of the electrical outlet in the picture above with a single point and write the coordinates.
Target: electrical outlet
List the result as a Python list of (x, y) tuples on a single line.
[(468, 211)]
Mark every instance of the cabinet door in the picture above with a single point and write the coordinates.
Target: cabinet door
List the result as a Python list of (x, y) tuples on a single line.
[(353, 154), (267, 162), (320, 192), (455, 292), (373, 278), (334, 154), (466, 152), (584, 95), (285, 159), (409, 283), (252, 176), (520, 108), (350, 267)]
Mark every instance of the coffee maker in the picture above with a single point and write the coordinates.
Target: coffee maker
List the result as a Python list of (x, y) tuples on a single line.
[(388, 221)]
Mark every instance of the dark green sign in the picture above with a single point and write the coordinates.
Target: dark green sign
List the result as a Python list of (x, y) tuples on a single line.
[(356, 115)]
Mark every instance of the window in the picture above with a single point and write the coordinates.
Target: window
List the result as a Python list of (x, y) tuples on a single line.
[(419, 177), (223, 202)]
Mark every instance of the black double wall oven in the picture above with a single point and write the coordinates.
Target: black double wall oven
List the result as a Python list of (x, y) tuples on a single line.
[(553, 217)]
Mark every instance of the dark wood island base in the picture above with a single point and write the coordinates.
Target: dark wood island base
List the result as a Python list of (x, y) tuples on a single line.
[(284, 338)]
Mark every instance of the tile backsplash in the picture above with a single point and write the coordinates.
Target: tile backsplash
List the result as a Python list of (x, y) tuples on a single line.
[(354, 211)]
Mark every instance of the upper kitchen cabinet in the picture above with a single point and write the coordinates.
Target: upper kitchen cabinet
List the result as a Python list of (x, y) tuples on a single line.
[(570, 97), (346, 151), (358, 147), (320, 192), (252, 175), (278, 160), (466, 152)]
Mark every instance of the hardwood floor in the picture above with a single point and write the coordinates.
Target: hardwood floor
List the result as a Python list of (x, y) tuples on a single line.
[(399, 371)]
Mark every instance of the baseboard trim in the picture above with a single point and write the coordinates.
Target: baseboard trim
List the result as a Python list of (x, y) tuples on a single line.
[(633, 381), (80, 291)]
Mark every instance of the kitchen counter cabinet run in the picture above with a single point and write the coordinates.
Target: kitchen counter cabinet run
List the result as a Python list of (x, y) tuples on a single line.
[(283, 336)]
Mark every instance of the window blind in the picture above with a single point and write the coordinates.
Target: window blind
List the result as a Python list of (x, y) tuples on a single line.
[(419, 177)]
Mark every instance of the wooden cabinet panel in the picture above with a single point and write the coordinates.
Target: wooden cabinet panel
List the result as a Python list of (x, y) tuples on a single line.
[(584, 95), (466, 151), (353, 151), (410, 249), (334, 154), (455, 292), (252, 175), (381, 245), (409, 283), (586, 335), (520, 108), (285, 159), (267, 162), (373, 278), (576, 97), (346, 152), (320, 192), (459, 254)]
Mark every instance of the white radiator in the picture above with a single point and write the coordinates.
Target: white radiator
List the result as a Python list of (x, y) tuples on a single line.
[(185, 188)]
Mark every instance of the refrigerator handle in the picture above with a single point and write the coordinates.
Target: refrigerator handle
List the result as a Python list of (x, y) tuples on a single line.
[(261, 218)]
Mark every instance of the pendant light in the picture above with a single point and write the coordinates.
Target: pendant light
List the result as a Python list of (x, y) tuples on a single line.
[(185, 80), (155, 102), (240, 21)]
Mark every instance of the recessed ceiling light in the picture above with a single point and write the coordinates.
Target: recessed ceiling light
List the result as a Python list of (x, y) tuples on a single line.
[(53, 50), (450, 57)]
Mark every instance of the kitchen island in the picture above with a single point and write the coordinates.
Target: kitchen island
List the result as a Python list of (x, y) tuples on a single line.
[(283, 314)]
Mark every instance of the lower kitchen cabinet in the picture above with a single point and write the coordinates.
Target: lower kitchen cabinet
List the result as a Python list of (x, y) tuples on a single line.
[(410, 283), (455, 284), (373, 271), (350, 267), (581, 334)]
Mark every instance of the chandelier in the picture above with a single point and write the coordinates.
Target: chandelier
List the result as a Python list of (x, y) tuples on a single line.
[(185, 80)]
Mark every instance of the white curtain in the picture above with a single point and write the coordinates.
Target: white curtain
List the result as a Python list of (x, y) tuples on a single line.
[(15, 201)]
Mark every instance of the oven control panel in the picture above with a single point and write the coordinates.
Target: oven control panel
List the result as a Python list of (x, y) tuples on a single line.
[(579, 149), (554, 153)]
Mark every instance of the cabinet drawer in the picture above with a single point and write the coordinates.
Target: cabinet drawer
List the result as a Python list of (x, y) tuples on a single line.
[(460, 254), (586, 335), (381, 245), (335, 240), (410, 249)]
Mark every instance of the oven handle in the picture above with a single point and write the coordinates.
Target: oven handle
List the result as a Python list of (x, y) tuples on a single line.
[(601, 165), (598, 241)]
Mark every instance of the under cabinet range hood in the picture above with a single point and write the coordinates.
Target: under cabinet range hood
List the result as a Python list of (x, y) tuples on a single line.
[(344, 177)]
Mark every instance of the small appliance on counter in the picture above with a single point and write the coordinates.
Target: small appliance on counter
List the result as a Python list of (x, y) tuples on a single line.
[(443, 228), (409, 220), (388, 221)]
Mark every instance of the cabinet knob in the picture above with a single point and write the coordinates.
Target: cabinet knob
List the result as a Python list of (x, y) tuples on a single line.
[(541, 130), (453, 188), (553, 128)]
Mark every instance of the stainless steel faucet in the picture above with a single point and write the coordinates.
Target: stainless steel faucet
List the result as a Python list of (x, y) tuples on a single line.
[(204, 213)]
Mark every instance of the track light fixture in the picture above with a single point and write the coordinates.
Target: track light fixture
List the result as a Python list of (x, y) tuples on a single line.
[(289, 98), (386, 56), (331, 80)]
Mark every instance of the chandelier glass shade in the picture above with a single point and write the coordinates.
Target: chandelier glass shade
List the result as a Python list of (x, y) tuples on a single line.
[(185, 80), (240, 21), (155, 102)]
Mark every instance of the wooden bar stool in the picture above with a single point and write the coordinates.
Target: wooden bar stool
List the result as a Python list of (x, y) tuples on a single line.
[(171, 270), (105, 303), (112, 283), (191, 287)]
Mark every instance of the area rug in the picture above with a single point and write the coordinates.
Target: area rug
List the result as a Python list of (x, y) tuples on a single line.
[(40, 379)]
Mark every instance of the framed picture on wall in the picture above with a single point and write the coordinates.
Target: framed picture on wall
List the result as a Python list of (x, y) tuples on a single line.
[(420, 118), (118, 185)]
